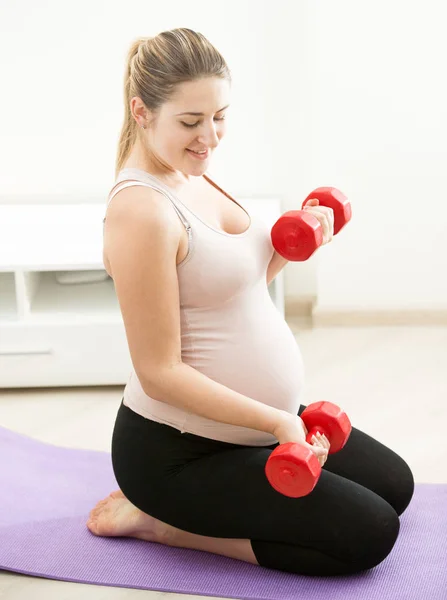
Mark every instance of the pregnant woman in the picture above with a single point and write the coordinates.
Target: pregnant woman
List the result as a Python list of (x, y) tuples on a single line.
[(217, 373)]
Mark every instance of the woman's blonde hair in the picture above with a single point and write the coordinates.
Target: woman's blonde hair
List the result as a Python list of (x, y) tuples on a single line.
[(155, 67)]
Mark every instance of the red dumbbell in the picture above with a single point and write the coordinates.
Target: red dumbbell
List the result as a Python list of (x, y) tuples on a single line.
[(292, 469), (297, 234)]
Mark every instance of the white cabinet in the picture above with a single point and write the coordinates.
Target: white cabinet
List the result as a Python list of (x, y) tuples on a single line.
[(60, 322)]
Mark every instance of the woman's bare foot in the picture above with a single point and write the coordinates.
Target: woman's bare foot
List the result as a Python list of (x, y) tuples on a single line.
[(117, 516)]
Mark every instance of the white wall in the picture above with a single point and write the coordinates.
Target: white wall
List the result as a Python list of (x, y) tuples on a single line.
[(345, 93), (380, 130)]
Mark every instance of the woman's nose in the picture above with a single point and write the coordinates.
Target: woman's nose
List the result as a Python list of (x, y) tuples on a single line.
[(210, 139)]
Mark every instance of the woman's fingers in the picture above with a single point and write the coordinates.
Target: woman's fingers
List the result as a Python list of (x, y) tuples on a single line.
[(325, 216), (324, 441), (318, 441), (321, 453)]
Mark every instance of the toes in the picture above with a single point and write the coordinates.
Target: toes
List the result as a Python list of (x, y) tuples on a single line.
[(100, 504), (92, 527), (98, 508)]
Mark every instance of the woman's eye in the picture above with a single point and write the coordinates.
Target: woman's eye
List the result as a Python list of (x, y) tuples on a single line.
[(195, 124)]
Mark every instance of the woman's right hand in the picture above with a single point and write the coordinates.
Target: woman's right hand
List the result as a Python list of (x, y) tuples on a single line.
[(291, 428)]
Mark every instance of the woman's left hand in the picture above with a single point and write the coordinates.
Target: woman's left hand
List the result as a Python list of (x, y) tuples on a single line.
[(325, 215)]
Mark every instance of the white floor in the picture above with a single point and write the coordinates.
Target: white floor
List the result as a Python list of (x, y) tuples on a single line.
[(392, 382)]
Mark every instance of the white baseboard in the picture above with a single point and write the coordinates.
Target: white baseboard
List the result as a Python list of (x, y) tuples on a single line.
[(304, 310), (298, 311)]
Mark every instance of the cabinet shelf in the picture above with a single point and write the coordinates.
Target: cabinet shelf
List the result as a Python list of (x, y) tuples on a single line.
[(68, 303)]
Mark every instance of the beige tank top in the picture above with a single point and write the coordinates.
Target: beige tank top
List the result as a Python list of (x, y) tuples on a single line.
[(231, 330)]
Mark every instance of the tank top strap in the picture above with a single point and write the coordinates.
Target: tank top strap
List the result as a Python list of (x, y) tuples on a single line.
[(128, 183)]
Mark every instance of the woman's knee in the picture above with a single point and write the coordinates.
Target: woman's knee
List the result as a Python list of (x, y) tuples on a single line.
[(374, 539), (398, 485), (361, 544)]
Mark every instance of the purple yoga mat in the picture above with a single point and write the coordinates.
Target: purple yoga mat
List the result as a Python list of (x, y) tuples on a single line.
[(47, 492)]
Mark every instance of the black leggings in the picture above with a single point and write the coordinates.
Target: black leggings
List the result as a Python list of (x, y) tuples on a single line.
[(347, 524)]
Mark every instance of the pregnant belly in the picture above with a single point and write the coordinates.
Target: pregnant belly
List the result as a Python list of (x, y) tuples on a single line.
[(259, 358)]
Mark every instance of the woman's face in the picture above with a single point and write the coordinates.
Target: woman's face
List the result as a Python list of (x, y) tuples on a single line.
[(168, 141)]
